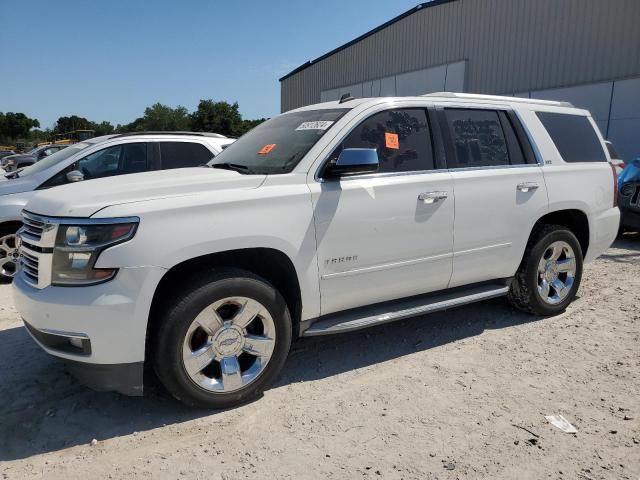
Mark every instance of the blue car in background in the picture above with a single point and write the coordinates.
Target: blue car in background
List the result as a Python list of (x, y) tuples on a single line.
[(629, 196)]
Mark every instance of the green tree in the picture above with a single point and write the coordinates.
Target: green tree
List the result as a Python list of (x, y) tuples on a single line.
[(102, 128), (164, 118), (217, 117), (16, 125), (69, 124)]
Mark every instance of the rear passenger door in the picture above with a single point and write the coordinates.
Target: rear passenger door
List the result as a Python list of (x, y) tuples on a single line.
[(183, 154), (499, 191)]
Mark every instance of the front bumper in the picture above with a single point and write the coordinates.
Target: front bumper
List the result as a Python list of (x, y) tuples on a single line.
[(108, 323)]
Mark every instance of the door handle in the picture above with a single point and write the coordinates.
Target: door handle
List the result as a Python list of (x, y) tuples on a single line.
[(433, 197), (527, 186)]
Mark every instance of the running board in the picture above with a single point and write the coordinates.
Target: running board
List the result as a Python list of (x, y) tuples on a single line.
[(391, 311)]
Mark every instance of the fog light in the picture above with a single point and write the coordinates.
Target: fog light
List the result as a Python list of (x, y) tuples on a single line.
[(76, 342)]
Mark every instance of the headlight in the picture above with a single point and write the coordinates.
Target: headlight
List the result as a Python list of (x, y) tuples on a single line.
[(77, 250), (11, 161)]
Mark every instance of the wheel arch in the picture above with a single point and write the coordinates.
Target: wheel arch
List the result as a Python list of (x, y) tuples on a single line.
[(573, 219), (271, 264), (10, 226)]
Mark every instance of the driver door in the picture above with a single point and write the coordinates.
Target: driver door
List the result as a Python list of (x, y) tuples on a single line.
[(377, 238)]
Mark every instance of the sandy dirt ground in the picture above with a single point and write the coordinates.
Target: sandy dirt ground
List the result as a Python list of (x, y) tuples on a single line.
[(457, 394)]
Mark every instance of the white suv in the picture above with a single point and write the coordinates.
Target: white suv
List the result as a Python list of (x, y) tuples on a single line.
[(326, 219), (98, 157)]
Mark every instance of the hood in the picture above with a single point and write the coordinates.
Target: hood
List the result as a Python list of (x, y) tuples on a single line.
[(19, 156), (16, 185), (83, 199), (631, 173)]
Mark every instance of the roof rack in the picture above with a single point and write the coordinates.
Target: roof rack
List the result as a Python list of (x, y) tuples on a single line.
[(199, 134), (474, 96)]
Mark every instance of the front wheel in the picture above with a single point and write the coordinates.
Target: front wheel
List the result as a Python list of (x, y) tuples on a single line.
[(550, 273), (223, 341)]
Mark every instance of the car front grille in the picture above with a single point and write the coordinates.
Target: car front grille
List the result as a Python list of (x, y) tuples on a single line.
[(32, 227), (30, 265), (37, 239)]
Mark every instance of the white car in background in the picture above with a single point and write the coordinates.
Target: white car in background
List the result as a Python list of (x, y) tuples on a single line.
[(94, 158)]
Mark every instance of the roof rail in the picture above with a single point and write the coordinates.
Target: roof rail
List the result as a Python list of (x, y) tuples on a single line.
[(474, 96), (199, 134)]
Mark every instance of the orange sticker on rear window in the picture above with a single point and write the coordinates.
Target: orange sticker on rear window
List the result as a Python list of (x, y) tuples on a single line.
[(391, 141), (267, 148)]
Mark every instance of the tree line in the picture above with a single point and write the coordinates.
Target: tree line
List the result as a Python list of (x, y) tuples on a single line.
[(210, 116)]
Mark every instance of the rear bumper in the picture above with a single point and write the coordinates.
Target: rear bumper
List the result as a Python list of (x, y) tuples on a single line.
[(603, 232)]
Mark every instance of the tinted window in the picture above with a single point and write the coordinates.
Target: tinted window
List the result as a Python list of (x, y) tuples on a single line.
[(401, 137), (278, 145), (183, 154), (574, 137), (116, 160), (477, 137)]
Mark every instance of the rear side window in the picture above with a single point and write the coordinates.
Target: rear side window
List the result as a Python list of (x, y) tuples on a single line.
[(574, 137), (401, 137), (183, 154), (477, 137)]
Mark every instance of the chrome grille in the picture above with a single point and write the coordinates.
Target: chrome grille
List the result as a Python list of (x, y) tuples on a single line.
[(37, 239), (32, 227), (30, 265)]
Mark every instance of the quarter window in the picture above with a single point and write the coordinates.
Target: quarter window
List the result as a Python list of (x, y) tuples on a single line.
[(477, 137), (401, 137), (574, 137), (183, 154)]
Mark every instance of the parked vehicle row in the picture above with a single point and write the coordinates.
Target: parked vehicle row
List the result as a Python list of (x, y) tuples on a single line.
[(326, 219), (95, 158), (11, 163)]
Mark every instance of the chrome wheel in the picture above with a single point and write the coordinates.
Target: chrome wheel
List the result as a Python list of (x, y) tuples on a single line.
[(229, 344), (556, 272), (9, 255)]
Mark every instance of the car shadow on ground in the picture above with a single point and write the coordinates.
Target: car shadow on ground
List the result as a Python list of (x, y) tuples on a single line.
[(628, 241), (43, 409)]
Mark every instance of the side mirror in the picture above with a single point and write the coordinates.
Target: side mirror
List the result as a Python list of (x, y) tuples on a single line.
[(74, 176), (354, 161)]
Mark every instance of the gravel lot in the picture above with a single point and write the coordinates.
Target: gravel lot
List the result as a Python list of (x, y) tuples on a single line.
[(457, 394)]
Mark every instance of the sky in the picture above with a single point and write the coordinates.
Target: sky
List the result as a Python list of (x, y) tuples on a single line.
[(108, 60)]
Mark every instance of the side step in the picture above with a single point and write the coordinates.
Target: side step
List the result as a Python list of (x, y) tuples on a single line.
[(364, 317)]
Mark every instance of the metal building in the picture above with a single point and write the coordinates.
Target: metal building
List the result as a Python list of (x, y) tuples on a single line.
[(584, 51)]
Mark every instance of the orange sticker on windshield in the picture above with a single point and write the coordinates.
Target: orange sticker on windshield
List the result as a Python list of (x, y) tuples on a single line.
[(391, 141), (267, 148)]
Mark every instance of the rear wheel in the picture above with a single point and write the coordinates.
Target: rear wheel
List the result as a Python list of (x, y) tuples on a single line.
[(550, 273), (224, 341)]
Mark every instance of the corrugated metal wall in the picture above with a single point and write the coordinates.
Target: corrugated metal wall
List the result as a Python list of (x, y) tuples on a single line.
[(510, 46)]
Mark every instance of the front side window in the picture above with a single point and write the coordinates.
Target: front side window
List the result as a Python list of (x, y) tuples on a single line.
[(401, 137), (183, 154), (108, 162), (277, 145), (574, 137), (477, 137)]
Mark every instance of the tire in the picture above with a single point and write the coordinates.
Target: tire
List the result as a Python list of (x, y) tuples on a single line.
[(179, 340), (527, 291)]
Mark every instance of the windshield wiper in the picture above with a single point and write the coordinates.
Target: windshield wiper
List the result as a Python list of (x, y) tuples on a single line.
[(233, 166)]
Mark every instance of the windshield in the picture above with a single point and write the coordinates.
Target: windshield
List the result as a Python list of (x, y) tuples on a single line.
[(53, 159), (278, 145), (33, 151)]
